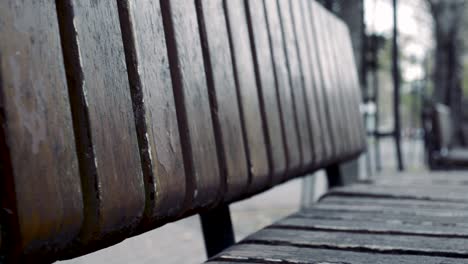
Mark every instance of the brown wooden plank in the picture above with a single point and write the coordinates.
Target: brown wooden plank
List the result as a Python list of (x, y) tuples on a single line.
[(154, 106), (284, 89), (265, 77), (376, 243), (296, 80), (204, 184), (257, 253), (255, 129), (110, 164), (318, 85), (426, 192), (40, 183), (224, 100)]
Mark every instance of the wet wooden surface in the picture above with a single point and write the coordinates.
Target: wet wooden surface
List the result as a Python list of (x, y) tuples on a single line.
[(154, 106), (283, 85), (41, 190), (107, 144), (224, 100), (244, 72), (204, 184), (265, 75)]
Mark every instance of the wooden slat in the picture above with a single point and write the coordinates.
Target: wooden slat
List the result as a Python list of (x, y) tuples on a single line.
[(254, 126), (204, 184), (384, 243), (296, 80), (154, 106), (224, 100), (317, 136), (380, 226), (344, 97), (255, 253), (112, 178), (436, 193), (41, 189), (284, 89), (317, 13), (353, 81), (318, 85), (264, 70)]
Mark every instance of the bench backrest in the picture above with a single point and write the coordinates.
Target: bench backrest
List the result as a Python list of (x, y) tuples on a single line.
[(120, 116)]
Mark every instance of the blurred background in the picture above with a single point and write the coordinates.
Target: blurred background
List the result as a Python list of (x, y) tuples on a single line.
[(412, 58)]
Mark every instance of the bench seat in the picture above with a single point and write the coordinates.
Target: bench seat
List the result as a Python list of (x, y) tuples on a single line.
[(420, 219)]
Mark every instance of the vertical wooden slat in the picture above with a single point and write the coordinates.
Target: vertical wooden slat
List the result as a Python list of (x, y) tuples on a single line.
[(40, 182), (264, 70), (341, 100), (204, 185), (317, 13), (224, 101), (287, 106), (309, 82), (107, 144), (319, 86), (254, 127), (154, 106), (296, 80)]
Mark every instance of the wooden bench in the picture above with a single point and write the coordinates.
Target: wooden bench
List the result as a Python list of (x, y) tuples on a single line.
[(443, 153), (118, 117)]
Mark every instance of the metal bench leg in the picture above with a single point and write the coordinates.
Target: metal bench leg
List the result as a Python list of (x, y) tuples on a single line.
[(217, 230), (334, 176)]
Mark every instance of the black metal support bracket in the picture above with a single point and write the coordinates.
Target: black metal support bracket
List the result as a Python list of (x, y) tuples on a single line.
[(334, 176), (217, 230)]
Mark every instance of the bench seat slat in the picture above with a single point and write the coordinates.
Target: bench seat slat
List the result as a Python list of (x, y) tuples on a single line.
[(254, 125), (266, 84), (154, 106), (224, 100), (40, 182), (259, 253), (204, 184)]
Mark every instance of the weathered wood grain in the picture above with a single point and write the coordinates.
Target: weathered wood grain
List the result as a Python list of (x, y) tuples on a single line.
[(154, 106), (391, 226), (313, 108), (320, 31), (255, 128), (318, 83), (296, 80), (255, 253), (265, 77), (40, 183), (107, 144), (345, 100), (425, 192), (224, 100), (381, 243), (204, 184), (284, 89)]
